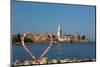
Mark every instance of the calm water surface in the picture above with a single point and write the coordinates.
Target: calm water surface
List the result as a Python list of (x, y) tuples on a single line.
[(57, 51)]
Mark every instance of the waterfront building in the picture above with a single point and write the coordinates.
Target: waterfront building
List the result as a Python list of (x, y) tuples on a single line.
[(43, 37), (69, 38), (60, 37)]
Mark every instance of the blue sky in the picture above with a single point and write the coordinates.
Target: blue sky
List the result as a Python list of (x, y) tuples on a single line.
[(40, 17)]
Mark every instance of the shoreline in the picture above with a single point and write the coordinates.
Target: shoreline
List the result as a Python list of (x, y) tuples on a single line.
[(19, 43), (52, 61)]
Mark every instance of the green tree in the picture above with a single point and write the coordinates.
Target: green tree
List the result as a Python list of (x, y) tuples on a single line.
[(19, 38), (83, 37), (28, 40)]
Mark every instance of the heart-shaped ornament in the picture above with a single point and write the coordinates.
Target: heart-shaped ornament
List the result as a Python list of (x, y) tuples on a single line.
[(37, 38)]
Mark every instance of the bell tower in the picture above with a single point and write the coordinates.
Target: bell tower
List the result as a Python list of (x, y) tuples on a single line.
[(58, 31)]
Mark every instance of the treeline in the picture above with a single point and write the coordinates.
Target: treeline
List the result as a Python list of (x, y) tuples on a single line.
[(17, 39)]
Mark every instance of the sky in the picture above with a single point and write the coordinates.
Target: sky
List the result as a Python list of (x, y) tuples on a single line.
[(41, 17)]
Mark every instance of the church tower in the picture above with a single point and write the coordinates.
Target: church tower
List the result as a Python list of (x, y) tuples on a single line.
[(58, 31)]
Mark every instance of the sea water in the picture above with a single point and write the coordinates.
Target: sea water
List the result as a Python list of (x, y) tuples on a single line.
[(85, 50)]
